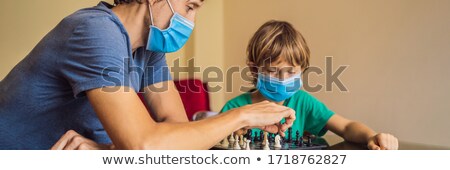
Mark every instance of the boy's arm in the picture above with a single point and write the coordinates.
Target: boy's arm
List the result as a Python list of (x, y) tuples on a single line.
[(359, 133)]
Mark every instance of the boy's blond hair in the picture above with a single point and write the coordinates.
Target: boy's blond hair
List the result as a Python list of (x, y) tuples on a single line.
[(277, 41)]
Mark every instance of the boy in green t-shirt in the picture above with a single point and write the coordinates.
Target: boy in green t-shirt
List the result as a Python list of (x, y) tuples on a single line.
[(277, 56)]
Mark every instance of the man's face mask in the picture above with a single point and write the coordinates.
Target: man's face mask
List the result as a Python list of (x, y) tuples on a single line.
[(171, 39)]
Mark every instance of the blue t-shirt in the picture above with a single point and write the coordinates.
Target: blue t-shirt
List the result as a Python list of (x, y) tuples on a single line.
[(44, 95)]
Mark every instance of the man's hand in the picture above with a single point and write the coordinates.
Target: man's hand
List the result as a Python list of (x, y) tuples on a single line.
[(74, 141), (267, 116), (383, 141)]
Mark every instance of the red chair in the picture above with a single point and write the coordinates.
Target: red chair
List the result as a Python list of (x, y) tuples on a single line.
[(194, 95)]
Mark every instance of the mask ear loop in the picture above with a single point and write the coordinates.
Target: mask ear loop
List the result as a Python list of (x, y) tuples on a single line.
[(170, 5), (151, 13)]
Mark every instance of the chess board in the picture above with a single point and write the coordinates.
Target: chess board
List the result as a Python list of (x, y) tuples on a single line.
[(316, 143)]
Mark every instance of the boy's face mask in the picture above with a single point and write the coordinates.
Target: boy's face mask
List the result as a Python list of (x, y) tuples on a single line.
[(173, 38), (278, 90)]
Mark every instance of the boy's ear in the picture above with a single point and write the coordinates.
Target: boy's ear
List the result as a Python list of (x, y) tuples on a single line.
[(253, 69), (250, 64)]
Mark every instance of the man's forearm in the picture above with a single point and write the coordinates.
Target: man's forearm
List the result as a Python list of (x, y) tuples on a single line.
[(165, 106), (192, 136)]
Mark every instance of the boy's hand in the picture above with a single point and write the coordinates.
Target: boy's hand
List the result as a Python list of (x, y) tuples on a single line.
[(382, 141)]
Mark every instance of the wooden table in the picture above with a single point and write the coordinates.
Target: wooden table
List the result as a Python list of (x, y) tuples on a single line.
[(337, 143)]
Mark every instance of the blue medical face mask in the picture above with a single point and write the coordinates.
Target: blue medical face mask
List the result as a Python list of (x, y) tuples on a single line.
[(171, 39), (278, 90)]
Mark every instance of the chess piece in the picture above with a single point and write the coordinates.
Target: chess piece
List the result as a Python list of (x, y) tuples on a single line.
[(232, 140), (265, 139), (261, 136), (266, 145), (289, 135), (247, 145), (225, 143), (244, 143), (277, 141), (236, 144), (297, 134), (241, 141), (281, 141), (249, 134), (309, 141), (300, 141), (220, 143)]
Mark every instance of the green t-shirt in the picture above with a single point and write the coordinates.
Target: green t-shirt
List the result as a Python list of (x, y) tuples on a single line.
[(312, 115)]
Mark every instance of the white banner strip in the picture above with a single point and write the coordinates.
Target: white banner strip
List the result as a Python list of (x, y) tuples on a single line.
[(217, 160)]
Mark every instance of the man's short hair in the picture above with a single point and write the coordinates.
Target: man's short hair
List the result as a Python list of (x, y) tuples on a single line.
[(126, 1)]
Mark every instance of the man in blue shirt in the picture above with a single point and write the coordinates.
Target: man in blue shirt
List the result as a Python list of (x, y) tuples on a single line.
[(81, 82)]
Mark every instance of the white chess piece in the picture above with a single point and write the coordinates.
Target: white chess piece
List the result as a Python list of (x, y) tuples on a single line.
[(236, 144), (277, 141), (247, 146), (266, 145), (219, 144), (225, 143), (244, 143), (232, 138), (241, 140), (265, 138)]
